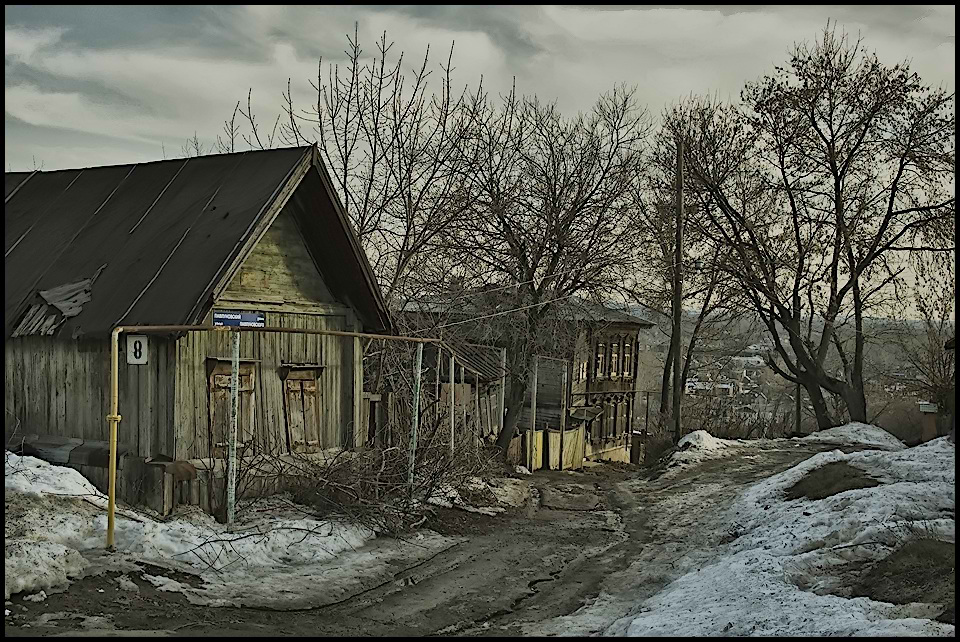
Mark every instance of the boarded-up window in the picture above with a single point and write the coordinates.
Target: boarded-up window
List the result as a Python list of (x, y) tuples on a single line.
[(220, 403), (301, 403)]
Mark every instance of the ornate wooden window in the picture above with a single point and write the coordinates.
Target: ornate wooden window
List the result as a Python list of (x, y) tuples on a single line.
[(627, 360), (601, 360), (614, 360)]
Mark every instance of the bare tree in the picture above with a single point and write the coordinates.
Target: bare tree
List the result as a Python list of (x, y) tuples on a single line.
[(545, 214), (193, 147), (929, 367), (711, 297), (391, 141), (231, 130), (836, 171)]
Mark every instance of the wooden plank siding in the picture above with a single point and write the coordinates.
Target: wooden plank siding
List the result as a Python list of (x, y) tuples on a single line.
[(279, 278), (61, 388), (268, 352)]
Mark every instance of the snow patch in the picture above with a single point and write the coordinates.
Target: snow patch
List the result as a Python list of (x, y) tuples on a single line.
[(702, 440), (448, 497), (857, 434), (55, 522), (33, 565), (700, 445), (775, 578)]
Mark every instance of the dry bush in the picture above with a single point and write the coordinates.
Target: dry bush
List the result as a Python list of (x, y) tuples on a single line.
[(724, 422), (368, 486)]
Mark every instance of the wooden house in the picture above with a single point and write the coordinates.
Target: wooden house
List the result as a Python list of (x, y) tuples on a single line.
[(604, 386), (606, 369), (259, 235)]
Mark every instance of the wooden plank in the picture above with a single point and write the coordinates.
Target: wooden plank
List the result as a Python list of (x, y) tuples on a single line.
[(180, 394), (274, 397), (161, 430), (61, 374), (201, 386), (295, 429), (311, 428), (358, 436), (147, 375)]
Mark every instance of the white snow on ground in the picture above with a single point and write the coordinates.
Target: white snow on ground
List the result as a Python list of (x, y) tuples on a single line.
[(857, 434), (54, 523), (275, 554), (756, 585), (700, 445)]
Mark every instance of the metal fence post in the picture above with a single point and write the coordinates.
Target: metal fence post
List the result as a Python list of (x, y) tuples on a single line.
[(418, 363), (503, 388), (234, 413), (453, 413), (563, 412)]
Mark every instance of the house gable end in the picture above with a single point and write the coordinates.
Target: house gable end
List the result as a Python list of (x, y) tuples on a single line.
[(279, 270)]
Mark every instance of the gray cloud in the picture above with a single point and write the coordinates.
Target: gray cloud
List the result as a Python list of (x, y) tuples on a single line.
[(87, 84), (213, 30)]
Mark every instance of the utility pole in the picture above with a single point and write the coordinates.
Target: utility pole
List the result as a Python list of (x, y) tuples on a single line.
[(677, 292), (533, 416)]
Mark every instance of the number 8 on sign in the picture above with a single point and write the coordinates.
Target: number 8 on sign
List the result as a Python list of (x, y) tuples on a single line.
[(136, 349)]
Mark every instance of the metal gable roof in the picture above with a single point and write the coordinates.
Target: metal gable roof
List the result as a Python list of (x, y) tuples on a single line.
[(147, 241)]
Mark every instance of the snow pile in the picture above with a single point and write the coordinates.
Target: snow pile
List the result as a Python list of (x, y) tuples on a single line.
[(508, 493), (33, 565), (700, 445), (448, 497), (36, 477), (857, 434), (784, 547), (702, 440), (54, 514)]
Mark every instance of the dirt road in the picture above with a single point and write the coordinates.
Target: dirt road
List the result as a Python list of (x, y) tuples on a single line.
[(588, 548)]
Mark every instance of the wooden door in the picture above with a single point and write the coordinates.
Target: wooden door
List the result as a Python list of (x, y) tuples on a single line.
[(302, 403), (219, 387)]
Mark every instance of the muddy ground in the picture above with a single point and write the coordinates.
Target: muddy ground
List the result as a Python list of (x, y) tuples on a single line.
[(578, 543)]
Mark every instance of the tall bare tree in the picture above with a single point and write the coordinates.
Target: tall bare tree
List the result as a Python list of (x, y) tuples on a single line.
[(391, 141), (929, 367), (711, 298), (836, 171), (546, 213)]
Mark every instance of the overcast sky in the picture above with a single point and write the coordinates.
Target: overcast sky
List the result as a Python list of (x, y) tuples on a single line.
[(91, 85)]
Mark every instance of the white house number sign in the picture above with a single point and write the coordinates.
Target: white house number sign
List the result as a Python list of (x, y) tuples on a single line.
[(137, 349)]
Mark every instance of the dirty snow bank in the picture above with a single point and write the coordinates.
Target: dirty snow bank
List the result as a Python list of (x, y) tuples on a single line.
[(700, 445), (757, 586), (54, 513), (506, 492), (702, 440), (857, 434)]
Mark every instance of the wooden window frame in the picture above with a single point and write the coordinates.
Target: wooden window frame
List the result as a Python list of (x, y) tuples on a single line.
[(600, 353)]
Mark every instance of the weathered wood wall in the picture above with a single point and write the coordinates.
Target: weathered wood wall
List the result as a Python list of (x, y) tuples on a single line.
[(268, 352), (280, 279), (61, 387)]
